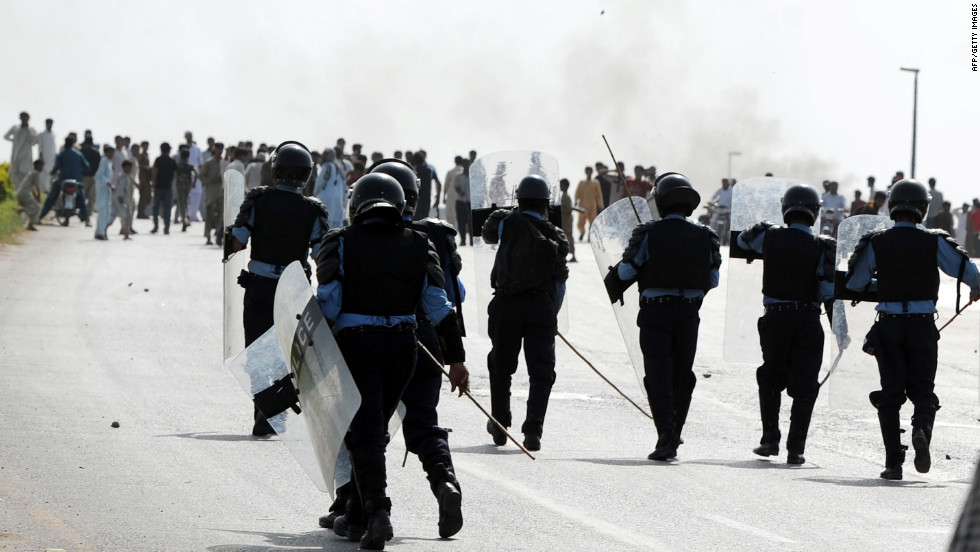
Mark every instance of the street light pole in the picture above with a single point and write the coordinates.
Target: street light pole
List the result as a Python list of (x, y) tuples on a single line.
[(915, 107), (730, 154)]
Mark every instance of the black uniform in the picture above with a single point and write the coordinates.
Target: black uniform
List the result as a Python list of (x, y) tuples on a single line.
[(383, 271), (904, 340), (423, 435), (283, 226), (797, 277), (528, 279), (674, 263)]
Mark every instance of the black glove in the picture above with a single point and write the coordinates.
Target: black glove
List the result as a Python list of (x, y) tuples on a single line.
[(278, 397), (615, 287)]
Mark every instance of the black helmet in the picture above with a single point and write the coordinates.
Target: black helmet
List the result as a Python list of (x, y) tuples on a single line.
[(378, 195), (673, 192), (801, 198), (533, 187), (405, 175), (292, 164), (910, 196)]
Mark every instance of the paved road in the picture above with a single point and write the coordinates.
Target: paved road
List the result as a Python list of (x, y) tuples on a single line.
[(95, 332)]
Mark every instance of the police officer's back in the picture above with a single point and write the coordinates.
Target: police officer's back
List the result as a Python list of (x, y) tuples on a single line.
[(528, 279), (797, 277), (283, 227), (372, 277), (900, 264), (674, 262)]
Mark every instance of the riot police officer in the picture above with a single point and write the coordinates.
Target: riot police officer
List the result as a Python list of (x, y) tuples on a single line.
[(284, 226), (528, 278), (372, 277), (901, 265), (798, 275), (674, 262)]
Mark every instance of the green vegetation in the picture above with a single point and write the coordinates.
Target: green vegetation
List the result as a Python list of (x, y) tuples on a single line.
[(10, 221)]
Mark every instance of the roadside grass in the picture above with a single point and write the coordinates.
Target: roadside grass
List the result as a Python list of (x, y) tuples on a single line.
[(10, 220)]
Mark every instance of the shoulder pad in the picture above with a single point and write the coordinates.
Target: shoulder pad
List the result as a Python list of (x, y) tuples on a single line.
[(636, 239), (328, 260), (257, 191), (942, 234), (758, 228), (862, 244), (321, 209), (829, 243), (441, 224)]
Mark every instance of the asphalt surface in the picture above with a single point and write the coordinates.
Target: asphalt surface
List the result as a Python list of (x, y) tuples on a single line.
[(96, 332)]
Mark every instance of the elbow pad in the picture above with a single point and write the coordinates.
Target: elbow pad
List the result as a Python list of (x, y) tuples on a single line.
[(450, 339)]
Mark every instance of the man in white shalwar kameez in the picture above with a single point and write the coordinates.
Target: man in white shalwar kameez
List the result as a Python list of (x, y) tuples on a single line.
[(103, 192), (196, 160), (122, 198), (331, 189), (48, 150), (21, 156)]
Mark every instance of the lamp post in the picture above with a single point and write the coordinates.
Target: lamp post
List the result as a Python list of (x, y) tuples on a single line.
[(915, 106), (730, 154)]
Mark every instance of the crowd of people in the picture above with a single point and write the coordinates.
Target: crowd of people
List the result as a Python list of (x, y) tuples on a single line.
[(182, 185), (123, 181)]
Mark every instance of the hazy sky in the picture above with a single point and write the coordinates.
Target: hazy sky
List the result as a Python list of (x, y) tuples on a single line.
[(803, 89)]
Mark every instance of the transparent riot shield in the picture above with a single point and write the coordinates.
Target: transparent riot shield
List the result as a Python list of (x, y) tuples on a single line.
[(753, 200), (255, 369), (234, 294), (493, 182), (609, 236), (327, 392), (857, 372)]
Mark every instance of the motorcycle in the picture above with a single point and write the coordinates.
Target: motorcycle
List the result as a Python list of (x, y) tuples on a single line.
[(66, 206)]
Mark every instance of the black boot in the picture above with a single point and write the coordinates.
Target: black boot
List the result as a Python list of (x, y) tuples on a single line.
[(799, 426), (769, 410), (681, 406), (499, 404), (378, 529), (922, 419), (261, 427), (666, 438), (338, 508), (499, 437), (350, 525), (450, 504), (894, 458)]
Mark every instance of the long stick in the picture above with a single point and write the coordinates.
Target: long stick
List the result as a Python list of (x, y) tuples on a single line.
[(478, 405), (604, 378), (832, 367), (622, 178), (955, 315)]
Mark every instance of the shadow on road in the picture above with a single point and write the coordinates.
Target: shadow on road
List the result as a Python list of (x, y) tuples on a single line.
[(285, 542), (210, 436), (486, 449), (755, 464), (304, 542), (875, 482), (623, 462)]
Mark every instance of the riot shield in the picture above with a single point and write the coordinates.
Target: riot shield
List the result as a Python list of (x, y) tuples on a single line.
[(255, 369), (327, 392), (857, 373), (609, 236), (753, 200), (234, 294), (493, 182)]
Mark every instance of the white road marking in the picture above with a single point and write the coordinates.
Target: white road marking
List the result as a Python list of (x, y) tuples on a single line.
[(612, 530), (748, 529)]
